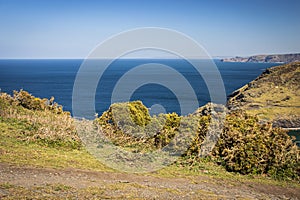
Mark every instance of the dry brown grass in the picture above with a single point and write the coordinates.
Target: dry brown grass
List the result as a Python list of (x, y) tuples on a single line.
[(46, 123)]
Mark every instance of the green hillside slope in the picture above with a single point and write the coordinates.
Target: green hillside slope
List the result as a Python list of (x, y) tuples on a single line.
[(273, 96)]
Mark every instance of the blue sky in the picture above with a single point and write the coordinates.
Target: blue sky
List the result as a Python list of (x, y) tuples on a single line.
[(71, 29)]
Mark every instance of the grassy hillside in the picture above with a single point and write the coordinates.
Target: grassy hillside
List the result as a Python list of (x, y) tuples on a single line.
[(273, 96), (38, 132)]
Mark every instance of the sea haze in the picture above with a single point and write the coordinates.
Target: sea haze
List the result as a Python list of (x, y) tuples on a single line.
[(55, 77)]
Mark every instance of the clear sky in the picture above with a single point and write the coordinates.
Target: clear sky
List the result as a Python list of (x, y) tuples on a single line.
[(72, 28)]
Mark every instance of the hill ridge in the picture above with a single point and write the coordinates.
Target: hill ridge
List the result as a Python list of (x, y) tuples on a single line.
[(270, 58), (274, 95)]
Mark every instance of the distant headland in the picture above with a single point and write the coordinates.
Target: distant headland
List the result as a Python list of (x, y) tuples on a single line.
[(273, 58)]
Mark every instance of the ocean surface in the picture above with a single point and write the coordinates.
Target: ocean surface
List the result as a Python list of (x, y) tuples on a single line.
[(55, 77)]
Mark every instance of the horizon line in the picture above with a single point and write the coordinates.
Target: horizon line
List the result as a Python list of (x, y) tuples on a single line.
[(77, 58), (203, 57)]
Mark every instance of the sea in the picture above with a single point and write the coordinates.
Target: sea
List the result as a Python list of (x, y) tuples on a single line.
[(45, 78)]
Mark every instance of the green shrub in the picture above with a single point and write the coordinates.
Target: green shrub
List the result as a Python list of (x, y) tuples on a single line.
[(129, 124), (168, 131), (125, 123), (201, 131), (245, 146), (139, 113), (31, 102)]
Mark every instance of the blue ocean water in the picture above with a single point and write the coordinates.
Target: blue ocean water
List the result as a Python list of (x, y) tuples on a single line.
[(55, 77)]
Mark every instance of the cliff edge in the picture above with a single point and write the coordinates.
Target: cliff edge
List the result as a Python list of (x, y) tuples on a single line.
[(273, 96)]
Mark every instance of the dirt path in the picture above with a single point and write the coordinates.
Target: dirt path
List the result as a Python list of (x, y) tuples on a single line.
[(81, 184)]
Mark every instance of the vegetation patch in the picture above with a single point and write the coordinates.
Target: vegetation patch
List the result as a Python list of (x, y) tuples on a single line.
[(273, 96), (44, 136), (38, 120), (245, 146)]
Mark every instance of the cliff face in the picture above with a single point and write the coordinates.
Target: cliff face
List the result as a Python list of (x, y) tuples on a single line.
[(276, 58), (273, 96)]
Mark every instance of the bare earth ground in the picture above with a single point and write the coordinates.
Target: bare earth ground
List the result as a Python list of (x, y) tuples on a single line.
[(16, 182)]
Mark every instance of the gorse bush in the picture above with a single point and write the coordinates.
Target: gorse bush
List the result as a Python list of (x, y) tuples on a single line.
[(139, 113), (201, 131), (168, 131), (124, 118), (245, 146), (248, 147), (41, 120), (130, 124), (28, 101)]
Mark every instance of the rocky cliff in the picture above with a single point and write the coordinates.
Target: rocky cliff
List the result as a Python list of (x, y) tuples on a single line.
[(276, 58), (273, 96)]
